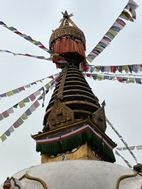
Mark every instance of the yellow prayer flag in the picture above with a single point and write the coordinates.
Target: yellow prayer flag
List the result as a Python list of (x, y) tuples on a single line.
[(9, 93), (113, 32), (131, 80), (97, 68), (21, 104), (126, 68), (100, 77), (3, 137)]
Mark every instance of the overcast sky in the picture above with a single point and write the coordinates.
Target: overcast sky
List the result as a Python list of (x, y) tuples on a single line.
[(38, 19)]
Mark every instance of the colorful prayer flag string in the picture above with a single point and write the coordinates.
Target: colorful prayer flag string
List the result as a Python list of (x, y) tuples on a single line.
[(25, 115), (28, 38), (133, 68), (20, 120), (20, 104), (27, 55), (129, 14), (116, 77), (29, 98), (139, 147), (22, 88)]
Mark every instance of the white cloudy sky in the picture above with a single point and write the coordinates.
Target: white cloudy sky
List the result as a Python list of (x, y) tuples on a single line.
[(38, 19)]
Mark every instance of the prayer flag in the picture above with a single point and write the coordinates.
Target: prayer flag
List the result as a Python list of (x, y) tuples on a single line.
[(1, 117), (3, 137), (27, 86), (21, 88), (139, 147), (10, 110), (10, 93), (24, 116), (15, 106), (32, 97), (28, 112), (7, 133), (32, 108), (37, 93), (18, 123), (128, 13), (15, 91), (21, 104), (138, 80), (36, 104), (26, 99), (11, 129), (5, 114)]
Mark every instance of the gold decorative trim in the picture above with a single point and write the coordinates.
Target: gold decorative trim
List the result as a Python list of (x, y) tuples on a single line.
[(62, 82), (98, 118), (124, 177), (59, 115), (37, 136), (35, 179)]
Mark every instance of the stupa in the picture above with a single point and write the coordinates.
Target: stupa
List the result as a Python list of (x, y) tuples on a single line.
[(75, 151), (74, 121)]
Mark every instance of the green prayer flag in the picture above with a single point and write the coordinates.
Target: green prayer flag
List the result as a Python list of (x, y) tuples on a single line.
[(99, 47), (24, 116), (15, 91), (37, 42), (47, 86), (20, 121), (1, 117), (27, 100)]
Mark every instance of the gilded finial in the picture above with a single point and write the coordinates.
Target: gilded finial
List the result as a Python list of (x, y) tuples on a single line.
[(66, 19), (66, 15)]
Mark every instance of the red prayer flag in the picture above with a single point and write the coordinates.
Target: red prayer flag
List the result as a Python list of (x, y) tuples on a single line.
[(5, 114), (32, 97)]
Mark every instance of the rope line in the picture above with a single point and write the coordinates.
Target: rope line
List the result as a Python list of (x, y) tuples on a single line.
[(121, 138)]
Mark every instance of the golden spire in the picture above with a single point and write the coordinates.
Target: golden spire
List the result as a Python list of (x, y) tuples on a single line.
[(67, 28)]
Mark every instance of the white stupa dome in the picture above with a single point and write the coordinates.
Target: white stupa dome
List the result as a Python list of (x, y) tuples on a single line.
[(78, 174)]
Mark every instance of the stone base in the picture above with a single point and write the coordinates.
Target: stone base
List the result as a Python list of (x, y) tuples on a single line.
[(82, 153)]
